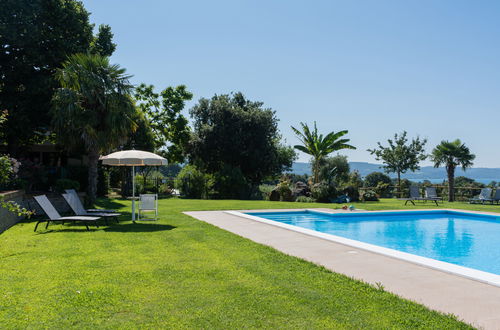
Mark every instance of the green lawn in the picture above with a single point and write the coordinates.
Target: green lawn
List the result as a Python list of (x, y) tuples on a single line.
[(183, 273)]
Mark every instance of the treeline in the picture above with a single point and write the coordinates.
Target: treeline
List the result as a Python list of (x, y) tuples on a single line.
[(59, 86)]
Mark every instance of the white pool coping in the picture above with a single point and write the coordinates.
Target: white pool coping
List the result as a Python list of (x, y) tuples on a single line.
[(470, 273)]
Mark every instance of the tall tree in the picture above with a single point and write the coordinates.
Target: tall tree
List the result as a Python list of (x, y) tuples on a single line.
[(233, 134), (451, 155), (93, 107), (36, 36), (163, 112), (102, 43), (400, 155), (319, 146), (143, 137)]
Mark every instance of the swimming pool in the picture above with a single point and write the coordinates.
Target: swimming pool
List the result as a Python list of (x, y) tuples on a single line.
[(466, 239)]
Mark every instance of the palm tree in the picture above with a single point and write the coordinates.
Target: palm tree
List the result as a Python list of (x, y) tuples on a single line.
[(93, 108), (319, 147), (452, 154)]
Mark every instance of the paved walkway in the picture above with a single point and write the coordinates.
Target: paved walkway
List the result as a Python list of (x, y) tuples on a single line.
[(472, 301)]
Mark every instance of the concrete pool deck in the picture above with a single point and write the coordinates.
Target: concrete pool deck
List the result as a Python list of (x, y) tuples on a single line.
[(474, 302)]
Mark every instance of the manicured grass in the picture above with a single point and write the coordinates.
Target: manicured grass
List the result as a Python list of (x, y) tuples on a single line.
[(183, 273)]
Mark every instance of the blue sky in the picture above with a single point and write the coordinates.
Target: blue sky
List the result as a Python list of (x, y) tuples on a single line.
[(431, 68)]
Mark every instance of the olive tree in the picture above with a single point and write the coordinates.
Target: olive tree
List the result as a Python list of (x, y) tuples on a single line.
[(400, 155), (238, 141)]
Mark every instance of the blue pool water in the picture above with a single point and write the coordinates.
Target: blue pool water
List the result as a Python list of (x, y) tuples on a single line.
[(470, 240)]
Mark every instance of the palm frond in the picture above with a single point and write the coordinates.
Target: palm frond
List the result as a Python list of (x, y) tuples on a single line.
[(94, 104), (318, 145)]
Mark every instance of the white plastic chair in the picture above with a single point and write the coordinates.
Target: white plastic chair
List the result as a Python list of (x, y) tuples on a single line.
[(148, 203)]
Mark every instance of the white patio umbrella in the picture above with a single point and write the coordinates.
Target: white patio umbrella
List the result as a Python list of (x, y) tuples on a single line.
[(133, 158)]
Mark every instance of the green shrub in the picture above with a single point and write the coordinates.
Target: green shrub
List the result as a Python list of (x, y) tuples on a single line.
[(9, 170), (139, 186), (323, 192), (149, 181), (383, 190), (265, 190), (305, 199), (285, 191), (352, 192), (15, 208), (192, 183), (144, 185), (462, 193), (274, 196), (369, 196), (372, 179), (293, 178), (381, 182), (5, 170), (230, 183), (165, 190), (63, 184)]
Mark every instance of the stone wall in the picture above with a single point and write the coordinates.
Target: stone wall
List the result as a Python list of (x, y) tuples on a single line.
[(7, 218)]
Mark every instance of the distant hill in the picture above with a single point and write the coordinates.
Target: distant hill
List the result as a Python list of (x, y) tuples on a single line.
[(480, 174)]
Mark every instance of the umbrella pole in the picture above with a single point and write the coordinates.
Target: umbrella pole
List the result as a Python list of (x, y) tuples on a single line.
[(133, 193)]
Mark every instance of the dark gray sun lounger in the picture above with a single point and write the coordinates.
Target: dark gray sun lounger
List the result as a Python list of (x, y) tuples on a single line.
[(484, 196), (431, 194), (74, 193), (76, 205), (53, 215), (415, 196)]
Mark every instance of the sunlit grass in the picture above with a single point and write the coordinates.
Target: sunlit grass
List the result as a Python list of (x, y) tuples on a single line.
[(179, 272)]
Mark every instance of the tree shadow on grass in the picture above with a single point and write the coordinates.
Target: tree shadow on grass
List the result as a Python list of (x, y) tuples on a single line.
[(138, 227)]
